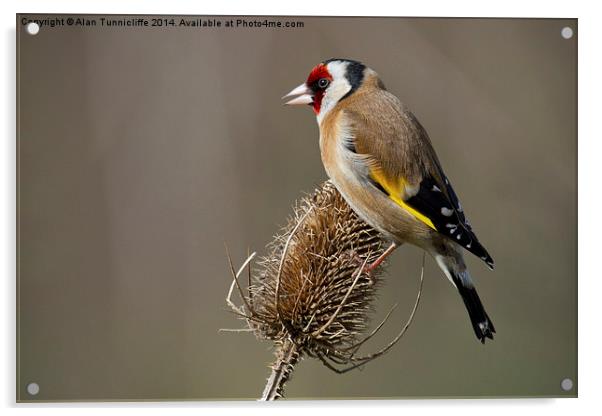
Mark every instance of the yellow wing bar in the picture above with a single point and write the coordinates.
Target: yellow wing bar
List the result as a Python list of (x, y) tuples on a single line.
[(395, 190)]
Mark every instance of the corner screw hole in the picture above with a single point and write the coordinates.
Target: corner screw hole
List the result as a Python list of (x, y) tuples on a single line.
[(566, 384), (33, 389), (566, 32), (32, 28)]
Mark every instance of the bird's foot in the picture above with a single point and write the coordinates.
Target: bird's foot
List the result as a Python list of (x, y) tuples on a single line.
[(361, 266)]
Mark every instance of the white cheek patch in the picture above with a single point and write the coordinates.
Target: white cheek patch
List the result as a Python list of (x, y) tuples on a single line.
[(339, 86)]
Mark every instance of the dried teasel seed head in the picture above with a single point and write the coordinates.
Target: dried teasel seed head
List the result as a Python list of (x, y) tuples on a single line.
[(311, 295), (310, 287)]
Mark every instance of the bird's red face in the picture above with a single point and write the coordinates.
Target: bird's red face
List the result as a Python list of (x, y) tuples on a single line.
[(312, 91)]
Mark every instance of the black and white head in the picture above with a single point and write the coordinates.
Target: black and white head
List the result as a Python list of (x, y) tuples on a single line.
[(328, 83)]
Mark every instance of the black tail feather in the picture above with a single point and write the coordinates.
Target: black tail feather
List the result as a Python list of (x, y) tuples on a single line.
[(482, 325)]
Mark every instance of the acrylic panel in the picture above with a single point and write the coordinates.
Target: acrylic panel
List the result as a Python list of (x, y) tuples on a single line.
[(149, 144)]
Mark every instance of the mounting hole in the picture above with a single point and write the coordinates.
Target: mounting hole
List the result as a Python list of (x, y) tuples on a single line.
[(566, 32), (32, 28), (33, 389), (566, 384)]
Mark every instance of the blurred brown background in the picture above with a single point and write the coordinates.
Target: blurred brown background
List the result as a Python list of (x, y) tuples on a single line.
[(143, 150)]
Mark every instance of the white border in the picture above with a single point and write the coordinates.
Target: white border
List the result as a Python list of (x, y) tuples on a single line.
[(590, 202)]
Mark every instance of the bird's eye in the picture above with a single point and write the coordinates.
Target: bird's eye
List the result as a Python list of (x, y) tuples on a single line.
[(323, 82)]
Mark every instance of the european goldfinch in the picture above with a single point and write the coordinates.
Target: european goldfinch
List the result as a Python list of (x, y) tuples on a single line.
[(381, 160)]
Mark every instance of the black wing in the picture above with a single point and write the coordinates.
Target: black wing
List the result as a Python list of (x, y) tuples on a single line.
[(442, 207)]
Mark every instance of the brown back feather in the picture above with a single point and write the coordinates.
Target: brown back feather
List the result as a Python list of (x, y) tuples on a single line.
[(386, 131)]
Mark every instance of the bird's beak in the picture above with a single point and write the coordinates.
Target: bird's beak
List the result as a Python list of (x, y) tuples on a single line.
[(302, 94)]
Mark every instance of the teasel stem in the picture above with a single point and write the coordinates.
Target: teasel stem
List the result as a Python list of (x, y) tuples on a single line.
[(287, 356)]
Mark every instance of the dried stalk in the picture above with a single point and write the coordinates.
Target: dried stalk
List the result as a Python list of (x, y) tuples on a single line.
[(287, 358), (312, 296)]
